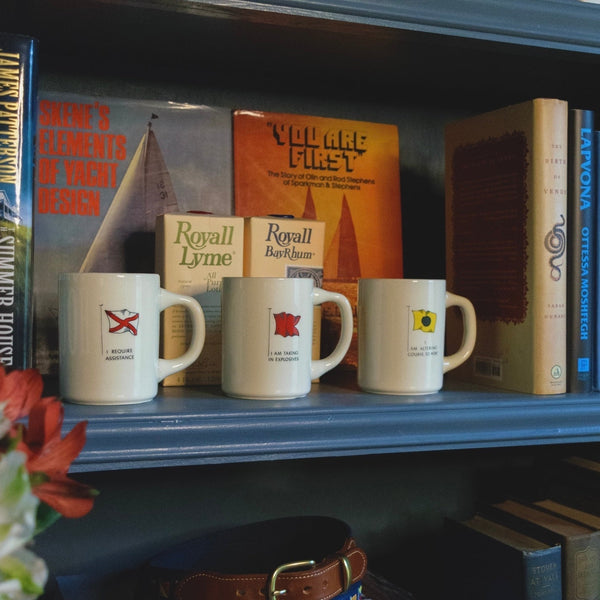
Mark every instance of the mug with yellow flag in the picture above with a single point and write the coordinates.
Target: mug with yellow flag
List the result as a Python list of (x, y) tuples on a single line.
[(401, 329)]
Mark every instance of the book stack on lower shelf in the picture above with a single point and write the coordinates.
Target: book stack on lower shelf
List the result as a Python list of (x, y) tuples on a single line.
[(532, 548)]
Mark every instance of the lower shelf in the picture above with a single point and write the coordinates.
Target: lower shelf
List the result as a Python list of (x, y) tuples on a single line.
[(193, 426)]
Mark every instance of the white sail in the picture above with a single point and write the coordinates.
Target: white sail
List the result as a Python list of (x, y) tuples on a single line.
[(125, 240)]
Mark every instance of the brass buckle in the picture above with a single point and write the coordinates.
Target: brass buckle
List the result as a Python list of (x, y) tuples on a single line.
[(347, 572), (275, 593)]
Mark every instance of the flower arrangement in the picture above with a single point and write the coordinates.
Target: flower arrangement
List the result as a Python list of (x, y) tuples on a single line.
[(34, 487)]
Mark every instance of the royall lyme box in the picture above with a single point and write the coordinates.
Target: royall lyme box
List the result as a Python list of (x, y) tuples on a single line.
[(280, 246), (193, 254)]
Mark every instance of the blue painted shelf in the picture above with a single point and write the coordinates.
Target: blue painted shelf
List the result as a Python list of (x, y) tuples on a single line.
[(187, 426)]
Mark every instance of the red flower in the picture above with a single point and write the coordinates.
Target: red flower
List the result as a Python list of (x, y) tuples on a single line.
[(20, 391), (49, 457)]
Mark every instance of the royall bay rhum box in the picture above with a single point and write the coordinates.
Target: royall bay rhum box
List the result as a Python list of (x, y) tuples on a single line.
[(286, 247), (193, 254)]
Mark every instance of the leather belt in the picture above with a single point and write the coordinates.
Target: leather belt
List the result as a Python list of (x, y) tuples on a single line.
[(301, 558)]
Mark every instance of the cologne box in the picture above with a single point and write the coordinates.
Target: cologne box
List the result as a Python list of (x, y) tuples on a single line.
[(193, 254), (286, 247)]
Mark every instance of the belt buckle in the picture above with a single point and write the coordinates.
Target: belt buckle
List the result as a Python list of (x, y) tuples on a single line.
[(275, 593)]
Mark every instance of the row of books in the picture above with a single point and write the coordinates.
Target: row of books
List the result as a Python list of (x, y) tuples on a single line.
[(521, 224), (92, 174), (108, 167), (545, 548), (521, 212)]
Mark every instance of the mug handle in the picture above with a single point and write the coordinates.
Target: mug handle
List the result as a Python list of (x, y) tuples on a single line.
[(469, 331), (169, 366), (321, 366)]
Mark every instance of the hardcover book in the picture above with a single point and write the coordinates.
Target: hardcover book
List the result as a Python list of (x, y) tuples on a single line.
[(345, 173), (596, 272), (506, 207), (18, 93), (107, 167), (580, 544), (490, 561), (193, 254), (574, 477), (571, 512), (581, 256)]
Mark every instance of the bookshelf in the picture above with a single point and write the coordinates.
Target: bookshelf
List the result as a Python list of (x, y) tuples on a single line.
[(192, 461), (203, 428)]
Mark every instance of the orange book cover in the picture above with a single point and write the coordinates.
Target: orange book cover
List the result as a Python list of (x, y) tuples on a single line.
[(343, 172)]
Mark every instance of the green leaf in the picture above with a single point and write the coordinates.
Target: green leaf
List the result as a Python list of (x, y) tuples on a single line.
[(45, 517)]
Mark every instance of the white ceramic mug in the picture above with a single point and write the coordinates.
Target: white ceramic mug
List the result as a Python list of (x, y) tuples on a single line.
[(267, 328), (401, 329), (109, 335)]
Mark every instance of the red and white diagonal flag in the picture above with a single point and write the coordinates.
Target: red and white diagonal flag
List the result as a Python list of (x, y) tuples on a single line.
[(122, 321)]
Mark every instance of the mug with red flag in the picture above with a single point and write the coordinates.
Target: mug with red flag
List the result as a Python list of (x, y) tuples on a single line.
[(267, 329)]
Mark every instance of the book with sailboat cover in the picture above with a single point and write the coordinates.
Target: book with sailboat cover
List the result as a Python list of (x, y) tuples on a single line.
[(18, 90), (107, 167), (340, 171)]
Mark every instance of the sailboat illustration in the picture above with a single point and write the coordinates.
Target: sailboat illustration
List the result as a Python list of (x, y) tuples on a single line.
[(341, 272), (310, 212), (125, 239), (342, 260)]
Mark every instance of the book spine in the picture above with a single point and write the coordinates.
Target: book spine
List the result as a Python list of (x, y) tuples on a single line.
[(580, 551), (581, 232), (479, 566), (596, 248), (542, 574), (581, 567), (18, 93), (549, 268)]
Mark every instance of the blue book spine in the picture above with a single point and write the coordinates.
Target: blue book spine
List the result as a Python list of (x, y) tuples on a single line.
[(18, 105), (596, 305), (581, 233)]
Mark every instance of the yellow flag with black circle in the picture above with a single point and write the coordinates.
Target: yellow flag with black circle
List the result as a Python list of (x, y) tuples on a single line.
[(424, 320)]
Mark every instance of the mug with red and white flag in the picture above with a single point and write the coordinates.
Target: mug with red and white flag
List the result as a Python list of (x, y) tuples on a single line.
[(109, 336)]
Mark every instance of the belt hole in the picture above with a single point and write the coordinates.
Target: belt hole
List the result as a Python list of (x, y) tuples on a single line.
[(307, 590), (325, 583), (240, 593)]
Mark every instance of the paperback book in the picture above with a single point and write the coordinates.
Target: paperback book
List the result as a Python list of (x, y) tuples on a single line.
[(107, 167), (18, 94), (345, 173), (506, 208)]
